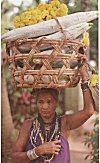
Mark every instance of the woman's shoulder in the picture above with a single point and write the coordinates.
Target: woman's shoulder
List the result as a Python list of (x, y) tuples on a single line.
[(63, 118), (27, 124)]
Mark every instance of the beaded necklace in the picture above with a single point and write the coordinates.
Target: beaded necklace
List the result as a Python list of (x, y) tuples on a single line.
[(44, 134)]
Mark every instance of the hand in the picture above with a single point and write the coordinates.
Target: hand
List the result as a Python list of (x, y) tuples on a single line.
[(82, 58), (83, 70), (52, 147)]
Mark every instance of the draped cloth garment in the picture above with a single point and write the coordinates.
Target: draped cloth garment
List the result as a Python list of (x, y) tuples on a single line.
[(62, 157)]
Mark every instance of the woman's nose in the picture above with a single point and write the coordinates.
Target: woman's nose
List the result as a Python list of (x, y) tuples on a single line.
[(45, 105)]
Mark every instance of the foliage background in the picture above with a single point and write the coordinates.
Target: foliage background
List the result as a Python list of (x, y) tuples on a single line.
[(22, 104)]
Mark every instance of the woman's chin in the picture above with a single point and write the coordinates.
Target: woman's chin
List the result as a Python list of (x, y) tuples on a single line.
[(46, 115)]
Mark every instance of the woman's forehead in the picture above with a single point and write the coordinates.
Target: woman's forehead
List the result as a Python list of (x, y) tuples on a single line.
[(44, 96)]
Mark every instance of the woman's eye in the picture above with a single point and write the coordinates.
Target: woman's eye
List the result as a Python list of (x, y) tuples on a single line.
[(49, 102), (40, 102)]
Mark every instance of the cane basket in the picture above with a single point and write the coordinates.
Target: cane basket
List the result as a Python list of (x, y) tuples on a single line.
[(38, 63)]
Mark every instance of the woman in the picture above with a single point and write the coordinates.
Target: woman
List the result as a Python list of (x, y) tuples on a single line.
[(44, 139)]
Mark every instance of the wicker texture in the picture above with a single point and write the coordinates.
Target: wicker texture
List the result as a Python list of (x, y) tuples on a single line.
[(32, 66)]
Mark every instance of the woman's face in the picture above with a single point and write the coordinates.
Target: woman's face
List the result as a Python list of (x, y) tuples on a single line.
[(46, 104)]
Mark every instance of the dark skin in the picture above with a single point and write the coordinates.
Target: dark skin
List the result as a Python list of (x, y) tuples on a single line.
[(46, 106)]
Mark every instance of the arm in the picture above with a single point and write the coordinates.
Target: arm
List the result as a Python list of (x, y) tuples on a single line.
[(18, 155), (75, 120)]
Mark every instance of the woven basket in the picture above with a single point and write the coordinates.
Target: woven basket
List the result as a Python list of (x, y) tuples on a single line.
[(32, 66)]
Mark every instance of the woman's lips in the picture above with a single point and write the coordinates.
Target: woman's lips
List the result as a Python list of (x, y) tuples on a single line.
[(45, 112)]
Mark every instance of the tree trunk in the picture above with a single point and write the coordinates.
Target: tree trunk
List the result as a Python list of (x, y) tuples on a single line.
[(6, 119)]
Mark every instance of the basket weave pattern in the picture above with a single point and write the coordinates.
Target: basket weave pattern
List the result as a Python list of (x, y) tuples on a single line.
[(36, 67)]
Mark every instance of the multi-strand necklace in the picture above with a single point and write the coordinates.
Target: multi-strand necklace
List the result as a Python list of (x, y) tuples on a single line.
[(46, 132)]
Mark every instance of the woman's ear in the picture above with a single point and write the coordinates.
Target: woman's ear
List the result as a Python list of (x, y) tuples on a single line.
[(57, 104)]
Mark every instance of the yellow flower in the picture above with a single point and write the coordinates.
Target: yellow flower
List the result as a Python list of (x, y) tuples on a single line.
[(31, 22), (16, 25), (54, 9), (42, 7), (34, 19), (40, 13), (94, 80), (41, 20), (45, 13), (21, 24), (30, 9), (50, 8), (63, 13), (37, 12), (53, 14), (55, 3), (17, 19), (57, 13), (86, 39), (38, 18), (33, 12), (25, 13), (48, 17), (64, 7)]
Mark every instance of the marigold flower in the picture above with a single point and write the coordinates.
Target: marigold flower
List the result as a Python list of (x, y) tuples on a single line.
[(40, 13), (53, 14), (94, 80), (55, 3), (17, 19), (86, 39), (48, 17)]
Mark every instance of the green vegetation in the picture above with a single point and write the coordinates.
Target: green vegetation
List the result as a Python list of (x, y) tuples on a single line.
[(21, 102), (92, 141)]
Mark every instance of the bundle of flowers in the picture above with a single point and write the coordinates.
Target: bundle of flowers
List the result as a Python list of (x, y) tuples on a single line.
[(42, 12), (50, 19)]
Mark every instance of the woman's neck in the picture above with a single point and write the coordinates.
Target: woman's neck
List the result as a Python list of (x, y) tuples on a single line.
[(48, 120)]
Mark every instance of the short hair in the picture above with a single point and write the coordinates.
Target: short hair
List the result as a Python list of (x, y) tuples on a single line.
[(54, 92)]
